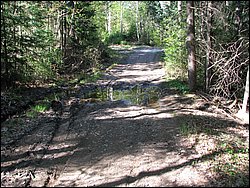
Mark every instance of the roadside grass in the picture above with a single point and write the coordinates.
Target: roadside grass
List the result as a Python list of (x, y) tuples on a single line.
[(42, 106), (90, 78), (230, 162), (111, 66), (178, 85), (187, 130)]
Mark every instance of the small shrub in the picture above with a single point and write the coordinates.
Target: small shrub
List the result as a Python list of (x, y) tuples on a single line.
[(115, 38), (178, 85), (40, 107), (31, 114)]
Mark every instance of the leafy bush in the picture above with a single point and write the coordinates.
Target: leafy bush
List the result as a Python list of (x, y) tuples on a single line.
[(175, 51), (115, 38), (40, 107)]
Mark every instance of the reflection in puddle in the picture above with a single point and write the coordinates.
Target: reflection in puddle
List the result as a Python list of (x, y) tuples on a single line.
[(136, 95)]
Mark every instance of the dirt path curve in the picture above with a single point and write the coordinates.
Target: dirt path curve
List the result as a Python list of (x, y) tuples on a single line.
[(119, 141)]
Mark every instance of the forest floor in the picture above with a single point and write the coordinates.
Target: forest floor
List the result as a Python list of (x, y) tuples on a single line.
[(130, 130)]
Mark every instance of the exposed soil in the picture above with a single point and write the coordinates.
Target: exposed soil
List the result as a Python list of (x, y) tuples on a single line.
[(130, 132)]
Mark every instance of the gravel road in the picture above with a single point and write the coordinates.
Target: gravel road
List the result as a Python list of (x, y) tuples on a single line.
[(113, 142)]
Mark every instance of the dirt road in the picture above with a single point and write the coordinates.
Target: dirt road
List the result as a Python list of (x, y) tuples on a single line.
[(127, 133)]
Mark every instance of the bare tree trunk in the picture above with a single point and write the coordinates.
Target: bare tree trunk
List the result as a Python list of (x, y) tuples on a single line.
[(61, 32), (246, 94), (200, 51), (14, 32), (65, 35), (202, 17), (190, 42), (209, 45), (242, 113), (163, 4), (4, 42), (148, 30), (109, 18), (72, 23), (179, 10), (62, 36), (179, 6), (238, 17), (137, 20)]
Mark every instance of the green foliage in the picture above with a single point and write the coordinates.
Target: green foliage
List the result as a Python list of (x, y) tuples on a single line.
[(90, 78), (41, 39), (111, 66), (99, 18), (175, 49), (35, 45), (31, 113), (40, 107), (229, 156), (28, 42), (84, 25), (56, 97), (231, 162), (192, 128), (177, 85), (155, 39), (115, 38), (36, 109), (131, 34)]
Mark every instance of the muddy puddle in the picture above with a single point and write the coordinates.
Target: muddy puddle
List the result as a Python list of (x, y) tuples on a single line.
[(132, 95)]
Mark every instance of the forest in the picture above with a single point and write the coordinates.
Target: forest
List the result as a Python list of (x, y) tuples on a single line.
[(162, 84)]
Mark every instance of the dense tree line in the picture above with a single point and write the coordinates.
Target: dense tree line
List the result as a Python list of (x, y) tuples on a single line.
[(206, 43), (42, 38)]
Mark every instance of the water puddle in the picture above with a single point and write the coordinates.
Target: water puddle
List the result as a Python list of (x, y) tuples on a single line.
[(134, 95)]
